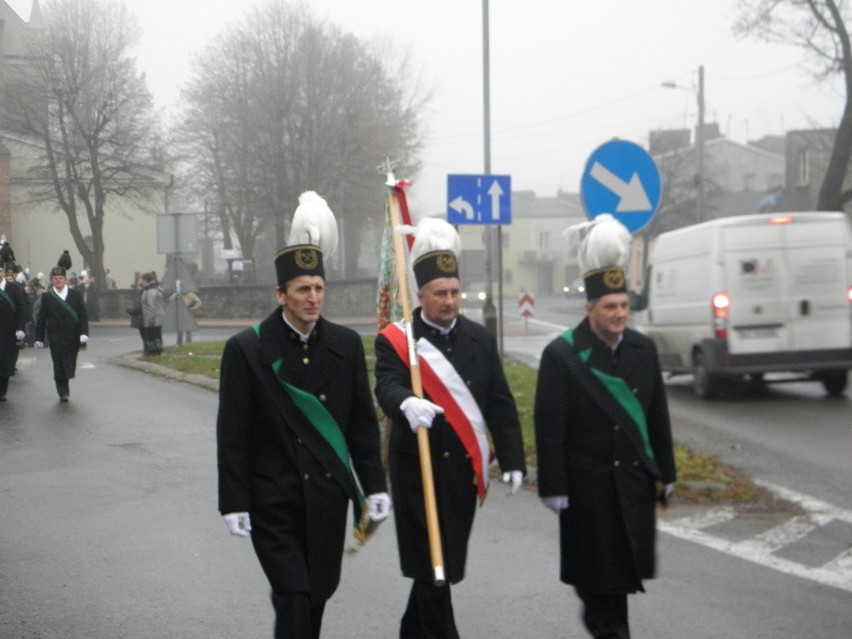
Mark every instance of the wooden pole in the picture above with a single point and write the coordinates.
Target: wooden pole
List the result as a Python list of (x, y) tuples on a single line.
[(435, 548)]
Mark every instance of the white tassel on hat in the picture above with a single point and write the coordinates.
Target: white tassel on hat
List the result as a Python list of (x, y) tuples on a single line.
[(601, 242), (314, 223), (432, 234)]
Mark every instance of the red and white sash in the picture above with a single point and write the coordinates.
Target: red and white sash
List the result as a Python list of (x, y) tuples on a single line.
[(448, 390)]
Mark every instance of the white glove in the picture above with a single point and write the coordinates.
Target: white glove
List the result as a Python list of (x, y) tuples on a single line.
[(378, 506), (20, 335), (39, 344), (668, 489), (513, 480), (557, 503), (238, 524), (84, 339), (419, 412)]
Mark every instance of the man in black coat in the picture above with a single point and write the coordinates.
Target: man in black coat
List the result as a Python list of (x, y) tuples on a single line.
[(295, 419), (63, 321), (605, 453), (12, 323), (465, 390)]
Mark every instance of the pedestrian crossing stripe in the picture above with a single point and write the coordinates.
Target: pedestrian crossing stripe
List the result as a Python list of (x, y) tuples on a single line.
[(761, 548)]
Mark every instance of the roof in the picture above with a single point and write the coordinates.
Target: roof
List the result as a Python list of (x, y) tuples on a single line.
[(526, 204)]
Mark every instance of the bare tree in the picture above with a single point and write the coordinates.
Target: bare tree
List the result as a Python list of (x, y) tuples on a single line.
[(283, 103), (818, 27), (93, 113)]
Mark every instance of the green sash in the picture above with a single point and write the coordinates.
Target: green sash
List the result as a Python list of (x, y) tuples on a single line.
[(620, 391), (6, 297), (65, 305), (329, 429)]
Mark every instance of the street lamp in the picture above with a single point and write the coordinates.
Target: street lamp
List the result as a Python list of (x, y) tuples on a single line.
[(699, 138)]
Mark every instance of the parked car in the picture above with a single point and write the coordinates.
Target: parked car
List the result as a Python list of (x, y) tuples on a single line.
[(577, 288), (474, 293)]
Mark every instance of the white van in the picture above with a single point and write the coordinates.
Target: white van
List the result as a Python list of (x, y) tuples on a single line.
[(742, 296)]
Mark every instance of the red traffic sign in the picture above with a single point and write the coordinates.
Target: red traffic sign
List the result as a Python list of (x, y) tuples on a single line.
[(526, 305)]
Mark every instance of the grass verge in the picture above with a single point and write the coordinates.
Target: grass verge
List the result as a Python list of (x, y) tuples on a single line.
[(701, 478)]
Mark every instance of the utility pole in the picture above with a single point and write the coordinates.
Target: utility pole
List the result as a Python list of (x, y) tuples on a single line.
[(699, 144), (489, 311), (698, 180)]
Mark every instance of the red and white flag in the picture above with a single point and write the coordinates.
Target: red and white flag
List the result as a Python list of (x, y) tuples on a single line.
[(388, 298)]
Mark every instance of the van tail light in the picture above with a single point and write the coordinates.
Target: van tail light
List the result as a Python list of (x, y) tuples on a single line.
[(849, 294), (720, 303)]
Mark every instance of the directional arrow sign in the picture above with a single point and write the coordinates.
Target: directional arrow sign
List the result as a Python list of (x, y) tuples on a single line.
[(633, 196), (621, 178), (479, 199), (465, 208)]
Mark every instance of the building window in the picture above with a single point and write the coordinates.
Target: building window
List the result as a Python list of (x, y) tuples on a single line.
[(749, 180), (543, 239), (804, 167)]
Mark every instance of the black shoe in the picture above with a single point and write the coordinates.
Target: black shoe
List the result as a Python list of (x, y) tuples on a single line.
[(2, 398)]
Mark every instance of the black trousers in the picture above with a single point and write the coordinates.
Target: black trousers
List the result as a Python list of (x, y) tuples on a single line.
[(152, 339), (429, 614), (605, 615), (294, 616)]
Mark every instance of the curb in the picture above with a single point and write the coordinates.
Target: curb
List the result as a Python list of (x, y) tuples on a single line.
[(131, 360)]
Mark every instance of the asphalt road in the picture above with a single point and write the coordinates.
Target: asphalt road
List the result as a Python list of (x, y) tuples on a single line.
[(109, 529)]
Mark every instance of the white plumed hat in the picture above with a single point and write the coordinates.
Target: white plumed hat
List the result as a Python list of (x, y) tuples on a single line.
[(313, 236), (602, 254), (435, 251)]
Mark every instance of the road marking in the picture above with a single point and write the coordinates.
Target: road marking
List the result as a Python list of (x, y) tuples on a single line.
[(760, 549), (25, 362)]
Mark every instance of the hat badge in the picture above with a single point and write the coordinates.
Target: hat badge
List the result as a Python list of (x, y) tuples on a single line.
[(614, 278), (306, 259), (446, 263)]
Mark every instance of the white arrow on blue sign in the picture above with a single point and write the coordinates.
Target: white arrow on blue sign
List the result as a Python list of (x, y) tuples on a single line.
[(621, 178), (479, 199)]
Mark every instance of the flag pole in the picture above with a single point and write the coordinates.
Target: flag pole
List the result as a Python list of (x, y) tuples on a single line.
[(435, 549)]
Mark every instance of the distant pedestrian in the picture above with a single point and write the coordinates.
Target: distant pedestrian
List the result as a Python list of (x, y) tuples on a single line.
[(7, 255), (12, 323), (153, 314), (63, 321), (12, 273), (92, 295), (192, 303), (134, 309)]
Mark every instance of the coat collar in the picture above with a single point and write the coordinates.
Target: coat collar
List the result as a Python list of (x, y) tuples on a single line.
[(323, 350), (629, 350), (465, 340)]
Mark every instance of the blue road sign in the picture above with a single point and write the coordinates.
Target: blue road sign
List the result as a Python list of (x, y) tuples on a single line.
[(479, 199), (621, 178)]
